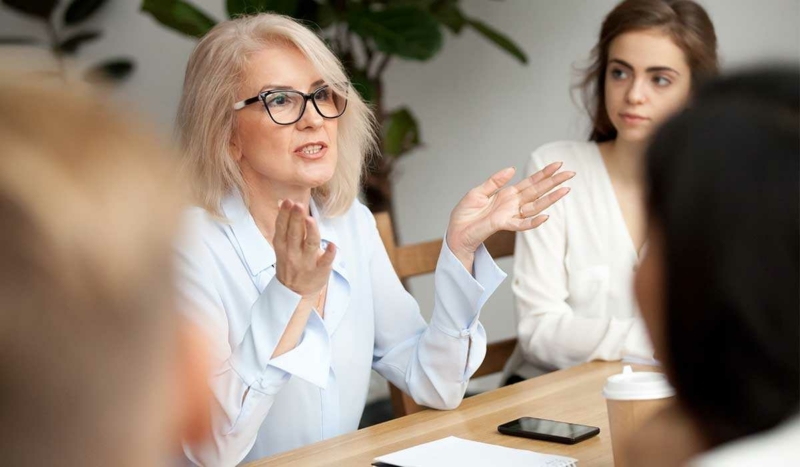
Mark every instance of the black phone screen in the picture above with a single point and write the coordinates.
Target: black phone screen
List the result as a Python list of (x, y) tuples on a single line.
[(548, 430)]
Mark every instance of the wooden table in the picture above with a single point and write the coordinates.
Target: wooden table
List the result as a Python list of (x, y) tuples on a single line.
[(572, 395)]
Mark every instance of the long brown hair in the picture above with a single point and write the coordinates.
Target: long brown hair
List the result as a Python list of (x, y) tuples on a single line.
[(686, 23)]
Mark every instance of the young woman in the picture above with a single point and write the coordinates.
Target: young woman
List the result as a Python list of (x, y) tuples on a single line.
[(288, 271), (572, 277)]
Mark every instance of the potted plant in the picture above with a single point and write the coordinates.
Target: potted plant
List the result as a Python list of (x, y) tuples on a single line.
[(65, 35)]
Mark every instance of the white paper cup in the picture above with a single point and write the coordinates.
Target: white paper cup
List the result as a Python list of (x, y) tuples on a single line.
[(632, 398)]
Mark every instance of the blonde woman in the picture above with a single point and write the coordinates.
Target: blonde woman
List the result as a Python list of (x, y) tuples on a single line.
[(286, 266), (92, 372)]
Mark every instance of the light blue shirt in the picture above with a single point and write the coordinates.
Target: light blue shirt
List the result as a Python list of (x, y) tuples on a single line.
[(263, 405)]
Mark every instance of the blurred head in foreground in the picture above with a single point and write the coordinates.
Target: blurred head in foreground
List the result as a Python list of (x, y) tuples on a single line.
[(93, 358), (719, 285)]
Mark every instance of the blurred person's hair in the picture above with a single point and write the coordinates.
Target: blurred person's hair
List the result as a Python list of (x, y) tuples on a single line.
[(206, 119), (684, 21), (723, 188), (89, 206)]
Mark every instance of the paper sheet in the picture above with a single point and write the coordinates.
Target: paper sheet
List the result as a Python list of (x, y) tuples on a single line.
[(459, 452)]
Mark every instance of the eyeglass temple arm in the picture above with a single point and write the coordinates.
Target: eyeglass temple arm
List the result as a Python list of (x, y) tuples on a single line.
[(242, 104)]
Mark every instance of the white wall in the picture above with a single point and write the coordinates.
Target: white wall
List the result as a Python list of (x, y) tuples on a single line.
[(479, 109)]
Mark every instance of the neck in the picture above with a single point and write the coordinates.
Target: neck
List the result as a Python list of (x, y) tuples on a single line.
[(265, 201), (625, 159)]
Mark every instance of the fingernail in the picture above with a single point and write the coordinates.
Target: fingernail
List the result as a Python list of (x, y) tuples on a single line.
[(560, 164), (280, 203), (571, 174)]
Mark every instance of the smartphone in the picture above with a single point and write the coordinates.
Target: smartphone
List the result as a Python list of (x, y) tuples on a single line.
[(548, 430)]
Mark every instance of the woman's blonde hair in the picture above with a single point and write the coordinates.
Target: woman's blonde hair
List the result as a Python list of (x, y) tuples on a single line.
[(206, 120), (89, 208)]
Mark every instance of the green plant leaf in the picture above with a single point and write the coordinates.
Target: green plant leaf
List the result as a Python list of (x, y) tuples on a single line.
[(70, 46), (79, 10), (363, 84), (405, 31), (116, 69), (401, 133), (250, 7), (11, 40), (450, 16), (499, 39), (39, 8), (179, 16)]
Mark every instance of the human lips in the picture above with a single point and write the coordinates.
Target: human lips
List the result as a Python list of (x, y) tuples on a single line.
[(633, 118), (312, 150)]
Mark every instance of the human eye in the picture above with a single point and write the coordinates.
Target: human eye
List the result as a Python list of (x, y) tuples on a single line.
[(322, 94), (277, 100), (618, 73), (661, 81)]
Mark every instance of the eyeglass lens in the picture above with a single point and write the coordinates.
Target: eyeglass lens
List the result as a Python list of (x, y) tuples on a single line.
[(287, 106)]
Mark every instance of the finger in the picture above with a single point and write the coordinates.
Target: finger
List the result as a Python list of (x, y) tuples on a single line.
[(534, 208), (535, 191), (538, 220), (296, 230), (496, 181), (282, 224), (546, 172), (326, 259), (519, 225), (311, 243)]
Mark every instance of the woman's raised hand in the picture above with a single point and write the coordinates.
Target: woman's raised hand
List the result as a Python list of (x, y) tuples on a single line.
[(301, 265), (492, 206)]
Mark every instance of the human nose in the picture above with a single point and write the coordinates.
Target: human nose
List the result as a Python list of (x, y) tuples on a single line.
[(311, 118), (636, 93)]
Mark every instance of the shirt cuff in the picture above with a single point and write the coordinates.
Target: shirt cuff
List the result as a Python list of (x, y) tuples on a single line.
[(311, 359), (270, 315), (459, 294)]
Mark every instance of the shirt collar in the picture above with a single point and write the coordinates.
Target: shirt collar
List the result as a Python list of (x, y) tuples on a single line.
[(258, 253)]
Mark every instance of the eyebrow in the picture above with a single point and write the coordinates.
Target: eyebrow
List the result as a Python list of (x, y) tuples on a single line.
[(283, 87), (652, 69)]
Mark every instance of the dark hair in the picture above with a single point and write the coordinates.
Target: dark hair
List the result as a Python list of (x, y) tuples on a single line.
[(723, 187), (686, 23)]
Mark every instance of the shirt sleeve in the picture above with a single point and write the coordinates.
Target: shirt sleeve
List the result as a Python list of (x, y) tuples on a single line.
[(432, 363), (550, 334), (244, 377)]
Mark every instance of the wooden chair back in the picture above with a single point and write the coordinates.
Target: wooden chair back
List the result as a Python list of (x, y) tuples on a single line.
[(421, 258)]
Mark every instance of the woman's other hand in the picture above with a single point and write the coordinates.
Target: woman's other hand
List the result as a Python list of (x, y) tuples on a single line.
[(301, 265), (492, 206)]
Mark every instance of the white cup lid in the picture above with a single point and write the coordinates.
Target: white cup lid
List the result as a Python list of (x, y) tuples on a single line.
[(639, 385)]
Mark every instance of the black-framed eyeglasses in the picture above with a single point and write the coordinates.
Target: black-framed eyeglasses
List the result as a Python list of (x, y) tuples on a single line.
[(287, 107)]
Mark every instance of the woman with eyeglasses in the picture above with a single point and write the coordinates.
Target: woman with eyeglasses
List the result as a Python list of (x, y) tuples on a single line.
[(572, 278), (285, 267)]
